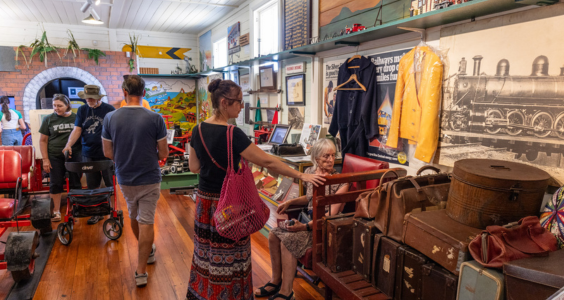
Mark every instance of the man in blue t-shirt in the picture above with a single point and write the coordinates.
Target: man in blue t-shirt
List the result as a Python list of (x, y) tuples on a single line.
[(135, 138), (88, 125)]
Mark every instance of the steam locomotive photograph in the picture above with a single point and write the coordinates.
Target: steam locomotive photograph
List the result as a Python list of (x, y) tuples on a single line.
[(503, 104)]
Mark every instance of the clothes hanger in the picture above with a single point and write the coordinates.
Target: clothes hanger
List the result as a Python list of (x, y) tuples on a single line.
[(356, 56), (353, 77)]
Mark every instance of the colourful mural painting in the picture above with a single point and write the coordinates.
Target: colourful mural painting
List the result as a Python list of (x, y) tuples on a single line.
[(174, 97)]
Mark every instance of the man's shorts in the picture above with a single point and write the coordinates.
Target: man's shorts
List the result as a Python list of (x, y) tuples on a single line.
[(142, 201)]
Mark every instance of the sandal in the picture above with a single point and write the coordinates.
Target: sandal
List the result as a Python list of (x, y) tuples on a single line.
[(265, 293), (289, 297), (56, 217)]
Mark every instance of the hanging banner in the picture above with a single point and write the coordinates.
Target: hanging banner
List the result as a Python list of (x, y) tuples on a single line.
[(233, 38), (387, 74)]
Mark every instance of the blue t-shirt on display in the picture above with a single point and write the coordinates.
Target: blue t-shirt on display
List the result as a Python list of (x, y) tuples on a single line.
[(135, 132), (90, 120)]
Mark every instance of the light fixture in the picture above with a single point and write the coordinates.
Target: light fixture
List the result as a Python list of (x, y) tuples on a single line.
[(91, 20), (97, 2), (86, 6)]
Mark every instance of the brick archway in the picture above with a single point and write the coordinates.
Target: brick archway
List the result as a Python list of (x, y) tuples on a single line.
[(37, 82)]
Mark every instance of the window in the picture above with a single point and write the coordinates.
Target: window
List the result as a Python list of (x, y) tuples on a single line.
[(220, 53), (266, 29)]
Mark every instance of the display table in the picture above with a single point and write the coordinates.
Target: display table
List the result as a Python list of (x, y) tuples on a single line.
[(187, 179)]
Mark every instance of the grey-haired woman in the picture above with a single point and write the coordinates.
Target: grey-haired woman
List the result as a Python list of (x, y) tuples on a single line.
[(288, 245)]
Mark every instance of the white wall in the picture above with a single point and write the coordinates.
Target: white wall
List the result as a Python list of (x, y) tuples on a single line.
[(15, 33)]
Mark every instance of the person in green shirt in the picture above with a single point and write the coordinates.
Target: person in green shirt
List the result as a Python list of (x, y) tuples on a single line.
[(55, 130)]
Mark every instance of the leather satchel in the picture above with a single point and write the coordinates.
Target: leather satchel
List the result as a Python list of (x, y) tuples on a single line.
[(500, 244), (288, 150), (369, 203), (411, 194)]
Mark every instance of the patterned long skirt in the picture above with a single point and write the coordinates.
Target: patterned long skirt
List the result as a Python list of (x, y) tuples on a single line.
[(221, 268)]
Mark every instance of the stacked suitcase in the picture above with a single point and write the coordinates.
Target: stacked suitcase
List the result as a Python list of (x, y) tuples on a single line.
[(431, 259)]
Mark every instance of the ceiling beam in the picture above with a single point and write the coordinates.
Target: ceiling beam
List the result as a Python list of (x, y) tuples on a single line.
[(201, 3), (115, 13), (82, 1)]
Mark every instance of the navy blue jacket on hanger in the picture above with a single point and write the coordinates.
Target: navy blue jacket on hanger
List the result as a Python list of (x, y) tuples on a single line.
[(356, 112)]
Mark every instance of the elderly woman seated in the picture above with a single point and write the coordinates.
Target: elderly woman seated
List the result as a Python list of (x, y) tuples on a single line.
[(289, 244)]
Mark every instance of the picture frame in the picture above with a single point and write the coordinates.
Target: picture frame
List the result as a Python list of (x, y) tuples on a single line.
[(267, 78), (73, 92), (295, 90), (245, 83)]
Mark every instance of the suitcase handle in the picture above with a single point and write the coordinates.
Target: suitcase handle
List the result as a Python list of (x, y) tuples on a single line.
[(425, 168)]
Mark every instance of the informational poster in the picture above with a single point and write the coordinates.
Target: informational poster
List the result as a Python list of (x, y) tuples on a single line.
[(205, 51), (233, 33), (297, 23), (387, 74), (330, 76)]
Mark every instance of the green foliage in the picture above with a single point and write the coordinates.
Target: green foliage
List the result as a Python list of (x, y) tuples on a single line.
[(133, 41), (72, 46), (94, 54), (42, 47), (20, 50)]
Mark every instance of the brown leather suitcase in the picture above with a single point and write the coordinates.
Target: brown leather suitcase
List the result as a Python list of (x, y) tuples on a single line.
[(384, 264), (339, 244), (439, 237), (407, 194), (438, 283), (363, 245), (408, 274), (535, 277), (488, 192), (324, 233)]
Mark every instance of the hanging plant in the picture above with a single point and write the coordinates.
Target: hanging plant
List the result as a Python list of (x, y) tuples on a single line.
[(20, 50), (134, 40), (42, 47), (94, 54), (72, 46)]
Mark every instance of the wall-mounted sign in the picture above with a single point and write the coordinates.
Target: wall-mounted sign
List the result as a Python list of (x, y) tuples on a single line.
[(244, 40), (295, 68), (233, 38), (297, 23)]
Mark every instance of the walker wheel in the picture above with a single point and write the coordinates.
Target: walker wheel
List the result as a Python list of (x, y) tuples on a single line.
[(64, 232), (112, 229), (120, 216)]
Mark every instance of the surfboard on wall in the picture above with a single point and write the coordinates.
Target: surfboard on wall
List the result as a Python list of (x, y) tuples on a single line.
[(159, 52)]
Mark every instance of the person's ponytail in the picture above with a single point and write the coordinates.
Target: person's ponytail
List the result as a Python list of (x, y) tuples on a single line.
[(6, 108)]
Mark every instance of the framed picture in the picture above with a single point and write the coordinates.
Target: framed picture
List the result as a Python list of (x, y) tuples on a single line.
[(245, 83), (267, 78), (170, 136), (234, 76), (295, 90)]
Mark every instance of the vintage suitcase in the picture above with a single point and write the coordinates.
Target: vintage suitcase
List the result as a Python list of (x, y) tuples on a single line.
[(488, 192), (437, 283), (407, 194), (324, 233), (479, 283), (384, 264), (339, 244), (363, 232), (409, 265), (535, 277), (439, 237)]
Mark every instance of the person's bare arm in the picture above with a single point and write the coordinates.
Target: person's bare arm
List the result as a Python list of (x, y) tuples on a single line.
[(162, 146), (301, 201), (43, 141), (193, 161), (22, 125), (337, 208), (255, 155), (74, 136), (108, 148)]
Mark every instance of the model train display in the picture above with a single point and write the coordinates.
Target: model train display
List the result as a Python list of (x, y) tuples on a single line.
[(504, 104)]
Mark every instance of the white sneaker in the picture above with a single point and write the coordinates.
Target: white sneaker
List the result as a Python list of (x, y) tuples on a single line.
[(152, 258), (141, 280)]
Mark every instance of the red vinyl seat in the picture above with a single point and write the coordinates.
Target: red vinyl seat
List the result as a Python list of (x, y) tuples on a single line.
[(351, 164), (7, 208), (10, 173), (28, 161)]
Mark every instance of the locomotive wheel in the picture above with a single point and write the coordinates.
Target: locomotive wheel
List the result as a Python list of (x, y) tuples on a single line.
[(112, 229), (496, 114), (20, 254), (542, 124), (559, 126), (515, 117)]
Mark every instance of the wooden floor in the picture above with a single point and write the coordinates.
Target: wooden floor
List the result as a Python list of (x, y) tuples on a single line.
[(93, 267)]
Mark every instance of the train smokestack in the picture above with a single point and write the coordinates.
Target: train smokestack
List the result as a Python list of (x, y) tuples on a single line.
[(477, 64), (540, 66), (462, 67), (502, 68)]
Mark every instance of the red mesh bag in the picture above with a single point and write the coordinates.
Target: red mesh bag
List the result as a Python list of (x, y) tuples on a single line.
[(240, 211)]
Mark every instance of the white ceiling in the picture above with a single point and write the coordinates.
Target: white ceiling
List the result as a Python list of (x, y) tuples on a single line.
[(177, 16)]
